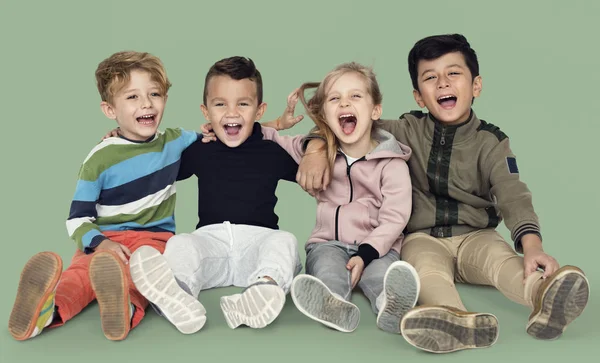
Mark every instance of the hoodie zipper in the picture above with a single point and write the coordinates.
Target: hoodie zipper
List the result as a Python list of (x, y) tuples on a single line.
[(337, 210), (437, 174)]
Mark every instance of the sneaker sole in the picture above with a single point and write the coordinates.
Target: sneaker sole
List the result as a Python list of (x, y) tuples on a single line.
[(109, 282), (314, 299), (564, 300), (439, 330), (38, 280), (401, 290), (154, 279), (257, 307)]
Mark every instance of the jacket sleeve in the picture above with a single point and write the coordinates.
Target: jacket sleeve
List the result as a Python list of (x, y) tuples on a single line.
[(292, 144), (395, 210), (512, 195)]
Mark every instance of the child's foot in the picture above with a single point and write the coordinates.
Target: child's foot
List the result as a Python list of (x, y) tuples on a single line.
[(314, 299), (34, 305), (440, 329), (257, 306), (109, 282), (400, 292), (155, 281), (560, 299)]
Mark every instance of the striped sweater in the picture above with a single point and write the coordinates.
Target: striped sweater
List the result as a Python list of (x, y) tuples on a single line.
[(127, 185)]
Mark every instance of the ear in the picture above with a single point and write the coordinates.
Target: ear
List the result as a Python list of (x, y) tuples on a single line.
[(260, 111), (205, 112), (108, 110), (418, 98), (376, 114), (477, 85)]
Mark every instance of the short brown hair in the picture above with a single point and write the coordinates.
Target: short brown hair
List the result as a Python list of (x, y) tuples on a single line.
[(237, 68), (113, 73)]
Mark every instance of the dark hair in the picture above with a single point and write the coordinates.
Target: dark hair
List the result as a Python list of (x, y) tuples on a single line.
[(437, 46), (237, 68)]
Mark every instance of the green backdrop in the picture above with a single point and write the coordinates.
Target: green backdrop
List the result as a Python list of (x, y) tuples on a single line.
[(539, 63)]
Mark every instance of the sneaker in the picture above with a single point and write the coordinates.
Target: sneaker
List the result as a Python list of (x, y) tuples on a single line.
[(401, 287), (560, 299), (34, 305), (314, 299), (440, 329), (257, 306), (154, 279), (109, 282)]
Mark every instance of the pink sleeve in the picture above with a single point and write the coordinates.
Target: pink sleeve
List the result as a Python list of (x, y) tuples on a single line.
[(396, 207), (291, 144)]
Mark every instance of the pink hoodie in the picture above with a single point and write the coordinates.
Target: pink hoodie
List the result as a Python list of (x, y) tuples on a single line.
[(367, 202)]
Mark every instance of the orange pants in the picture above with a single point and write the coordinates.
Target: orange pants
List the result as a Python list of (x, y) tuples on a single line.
[(74, 291)]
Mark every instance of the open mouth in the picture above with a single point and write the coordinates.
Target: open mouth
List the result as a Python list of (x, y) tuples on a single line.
[(447, 102), (232, 129), (146, 120), (347, 123)]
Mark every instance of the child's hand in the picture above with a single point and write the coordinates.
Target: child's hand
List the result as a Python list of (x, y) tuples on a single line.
[(207, 134), (313, 171), (535, 257), (117, 248), (287, 119), (356, 265), (539, 258), (112, 133)]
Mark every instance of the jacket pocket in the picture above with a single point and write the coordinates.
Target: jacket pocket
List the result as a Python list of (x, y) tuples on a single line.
[(354, 222)]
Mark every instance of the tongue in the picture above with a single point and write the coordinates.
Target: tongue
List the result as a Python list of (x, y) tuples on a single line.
[(449, 103), (232, 130), (348, 127)]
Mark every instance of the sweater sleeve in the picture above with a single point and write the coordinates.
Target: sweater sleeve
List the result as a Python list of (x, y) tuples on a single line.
[(81, 224), (395, 209), (513, 196)]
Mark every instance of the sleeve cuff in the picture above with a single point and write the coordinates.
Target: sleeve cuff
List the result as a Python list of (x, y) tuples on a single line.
[(95, 242), (517, 235), (367, 252)]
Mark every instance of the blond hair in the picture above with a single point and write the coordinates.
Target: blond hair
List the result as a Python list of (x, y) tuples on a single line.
[(314, 106), (114, 72)]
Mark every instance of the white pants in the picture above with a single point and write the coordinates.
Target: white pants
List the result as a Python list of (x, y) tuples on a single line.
[(227, 254)]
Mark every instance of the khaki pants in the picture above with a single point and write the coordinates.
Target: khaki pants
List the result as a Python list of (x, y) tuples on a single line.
[(482, 257)]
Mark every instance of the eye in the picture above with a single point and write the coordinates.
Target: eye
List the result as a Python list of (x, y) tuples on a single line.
[(155, 94), (334, 98), (132, 97), (356, 95), (454, 73), (429, 78), (219, 104), (244, 104)]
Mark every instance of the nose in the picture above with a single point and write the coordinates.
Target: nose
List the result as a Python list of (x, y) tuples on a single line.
[(146, 102), (443, 82), (232, 111), (344, 102)]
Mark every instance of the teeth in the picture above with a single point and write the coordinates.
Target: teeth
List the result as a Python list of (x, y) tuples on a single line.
[(232, 125), (147, 116), (346, 115), (445, 98)]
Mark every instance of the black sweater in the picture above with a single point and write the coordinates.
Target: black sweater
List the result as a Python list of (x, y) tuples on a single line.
[(238, 184)]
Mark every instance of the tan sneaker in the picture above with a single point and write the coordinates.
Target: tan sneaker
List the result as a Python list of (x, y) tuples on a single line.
[(109, 282), (441, 329), (560, 299), (34, 305)]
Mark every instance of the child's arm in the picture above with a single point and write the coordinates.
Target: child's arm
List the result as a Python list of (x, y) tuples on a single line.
[(83, 214), (515, 203), (291, 144), (394, 212)]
